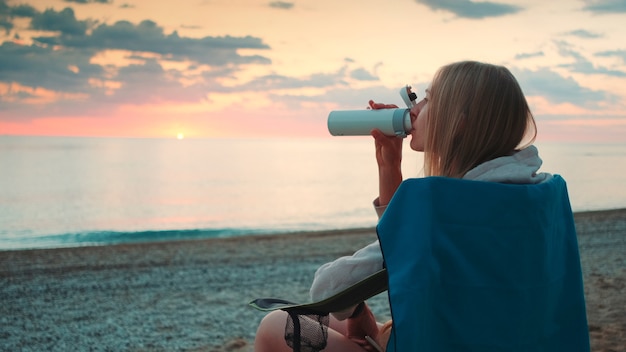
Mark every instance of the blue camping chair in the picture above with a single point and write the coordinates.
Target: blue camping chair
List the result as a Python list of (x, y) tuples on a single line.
[(474, 266), (482, 266)]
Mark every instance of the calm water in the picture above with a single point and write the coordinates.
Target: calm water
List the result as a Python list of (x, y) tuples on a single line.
[(77, 191)]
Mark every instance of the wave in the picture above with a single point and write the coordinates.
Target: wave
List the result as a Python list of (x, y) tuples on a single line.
[(101, 238)]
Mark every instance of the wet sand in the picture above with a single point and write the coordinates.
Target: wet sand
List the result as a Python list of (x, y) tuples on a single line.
[(193, 295)]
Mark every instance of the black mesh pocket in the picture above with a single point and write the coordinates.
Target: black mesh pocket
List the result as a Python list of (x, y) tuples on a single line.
[(306, 331)]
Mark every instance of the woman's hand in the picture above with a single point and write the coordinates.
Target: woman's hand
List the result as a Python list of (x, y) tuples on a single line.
[(389, 159), (363, 324)]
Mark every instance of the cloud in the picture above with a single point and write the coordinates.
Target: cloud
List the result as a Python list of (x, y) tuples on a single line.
[(138, 84), (149, 82), (339, 78), (281, 5), (147, 36), (558, 89), (59, 63), (8, 26), (277, 82), (583, 65), (587, 67), (345, 97), (22, 10), (362, 74), (63, 21), (90, 1), (470, 9), (605, 6), (581, 33), (8, 14), (613, 53), (37, 66), (523, 56)]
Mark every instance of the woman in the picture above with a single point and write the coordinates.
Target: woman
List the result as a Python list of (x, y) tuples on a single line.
[(471, 124)]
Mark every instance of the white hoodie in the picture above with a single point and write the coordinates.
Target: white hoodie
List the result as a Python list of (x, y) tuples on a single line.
[(333, 277)]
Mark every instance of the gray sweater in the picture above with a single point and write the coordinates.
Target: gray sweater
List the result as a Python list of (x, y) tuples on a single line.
[(333, 277)]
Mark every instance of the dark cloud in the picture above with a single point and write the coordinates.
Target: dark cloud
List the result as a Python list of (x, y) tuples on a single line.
[(8, 14), (281, 5), (142, 83), (61, 61), (469, 9), (37, 66), (150, 83), (147, 36), (6, 25), (23, 10), (605, 6), (63, 21)]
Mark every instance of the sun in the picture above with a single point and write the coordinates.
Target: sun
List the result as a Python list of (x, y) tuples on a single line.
[(180, 136)]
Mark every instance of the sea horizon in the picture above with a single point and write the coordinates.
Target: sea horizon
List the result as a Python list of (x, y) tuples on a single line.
[(78, 191)]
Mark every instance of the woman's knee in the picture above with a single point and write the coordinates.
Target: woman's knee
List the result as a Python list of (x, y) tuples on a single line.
[(270, 334)]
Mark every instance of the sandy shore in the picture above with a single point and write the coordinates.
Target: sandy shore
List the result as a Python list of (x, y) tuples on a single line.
[(193, 295)]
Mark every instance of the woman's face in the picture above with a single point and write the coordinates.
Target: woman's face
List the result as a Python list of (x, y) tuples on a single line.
[(419, 114)]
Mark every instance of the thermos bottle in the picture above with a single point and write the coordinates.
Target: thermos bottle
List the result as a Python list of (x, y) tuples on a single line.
[(392, 122)]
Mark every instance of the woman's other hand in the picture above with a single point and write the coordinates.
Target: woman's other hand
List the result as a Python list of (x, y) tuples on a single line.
[(376, 106)]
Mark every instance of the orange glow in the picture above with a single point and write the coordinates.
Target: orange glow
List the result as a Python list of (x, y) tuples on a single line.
[(133, 123), (149, 122)]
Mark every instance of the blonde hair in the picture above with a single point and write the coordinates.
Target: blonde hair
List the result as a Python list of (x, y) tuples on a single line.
[(477, 112)]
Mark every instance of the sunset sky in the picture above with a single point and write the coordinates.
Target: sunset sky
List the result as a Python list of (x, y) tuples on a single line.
[(229, 68)]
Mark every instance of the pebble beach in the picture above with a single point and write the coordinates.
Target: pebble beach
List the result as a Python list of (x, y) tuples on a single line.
[(193, 295)]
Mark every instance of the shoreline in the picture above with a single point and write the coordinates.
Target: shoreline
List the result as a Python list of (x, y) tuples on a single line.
[(253, 233), (193, 294)]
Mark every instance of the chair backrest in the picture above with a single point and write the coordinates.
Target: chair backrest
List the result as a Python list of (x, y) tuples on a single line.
[(482, 266)]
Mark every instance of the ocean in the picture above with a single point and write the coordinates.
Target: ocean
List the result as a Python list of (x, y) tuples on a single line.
[(65, 192)]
